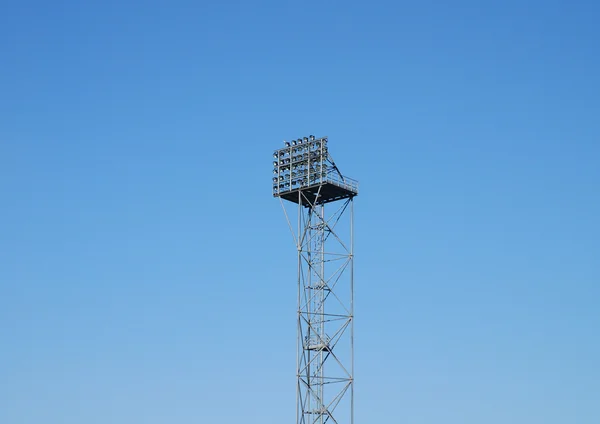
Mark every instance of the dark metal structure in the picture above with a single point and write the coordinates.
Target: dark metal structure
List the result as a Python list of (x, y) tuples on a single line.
[(306, 177)]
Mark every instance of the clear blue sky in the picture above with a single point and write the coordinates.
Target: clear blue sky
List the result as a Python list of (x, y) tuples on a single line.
[(147, 275)]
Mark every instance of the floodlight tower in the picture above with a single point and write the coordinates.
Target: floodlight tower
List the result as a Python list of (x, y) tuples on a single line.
[(305, 174)]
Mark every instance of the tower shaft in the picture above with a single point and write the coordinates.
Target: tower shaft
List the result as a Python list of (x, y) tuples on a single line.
[(325, 313)]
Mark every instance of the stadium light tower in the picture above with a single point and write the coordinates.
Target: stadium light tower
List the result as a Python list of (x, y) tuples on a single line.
[(305, 174)]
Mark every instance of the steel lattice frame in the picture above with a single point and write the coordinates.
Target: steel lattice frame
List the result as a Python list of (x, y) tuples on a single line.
[(324, 238)]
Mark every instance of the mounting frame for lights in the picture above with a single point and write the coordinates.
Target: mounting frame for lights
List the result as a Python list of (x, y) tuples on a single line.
[(305, 166)]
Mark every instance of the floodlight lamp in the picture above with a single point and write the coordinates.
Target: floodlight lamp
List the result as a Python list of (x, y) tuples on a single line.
[(305, 139), (312, 137), (287, 143)]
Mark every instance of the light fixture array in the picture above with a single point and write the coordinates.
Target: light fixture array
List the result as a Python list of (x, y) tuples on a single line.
[(301, 163)]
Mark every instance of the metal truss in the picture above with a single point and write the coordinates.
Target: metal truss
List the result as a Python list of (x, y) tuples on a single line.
[(324, 240)]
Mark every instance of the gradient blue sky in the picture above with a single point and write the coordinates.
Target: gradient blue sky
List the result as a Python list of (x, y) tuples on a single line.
[(147, 275)]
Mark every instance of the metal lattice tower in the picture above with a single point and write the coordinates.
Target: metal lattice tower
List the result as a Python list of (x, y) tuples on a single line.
[(306, 175)]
